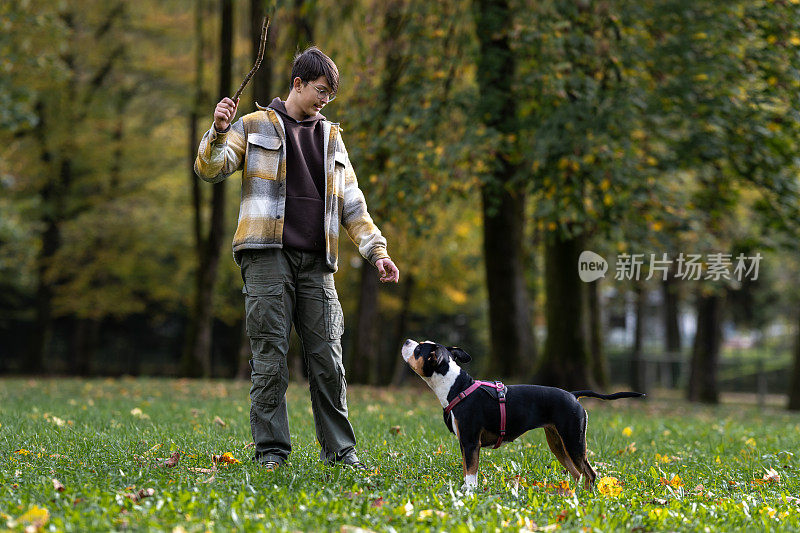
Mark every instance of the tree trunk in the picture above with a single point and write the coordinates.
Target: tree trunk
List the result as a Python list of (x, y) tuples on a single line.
[(794, 380), (197, 359), (262, 79), (302, 27), (672, 332), (565, 361), (366, 351), (594, 319), (400, 367), (85, 336), (51, 241), (705, 353), (637, 365), (503, 207), (364, 366)]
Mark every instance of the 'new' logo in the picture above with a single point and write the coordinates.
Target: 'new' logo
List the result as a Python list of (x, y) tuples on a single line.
[(591, 266)]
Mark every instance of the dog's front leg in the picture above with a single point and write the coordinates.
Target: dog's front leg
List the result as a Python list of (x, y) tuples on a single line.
[(470, 451)]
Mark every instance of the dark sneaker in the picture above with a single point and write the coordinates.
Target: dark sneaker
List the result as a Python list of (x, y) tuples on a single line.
[(270, 466), (353, 463)]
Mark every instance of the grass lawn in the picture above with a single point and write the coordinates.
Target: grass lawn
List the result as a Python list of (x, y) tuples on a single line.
[(675, 467)]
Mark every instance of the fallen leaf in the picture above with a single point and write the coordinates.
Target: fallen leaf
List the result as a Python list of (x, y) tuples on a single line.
[(35, 518), (139, 414), (377, 503), (396, 430), (172, 461), (771, 476), (55, 420), (628, 431), (630, 448), (204, 470), (226, 458), (250, 445), (674, 482), (57, 485), (220, 422), (609, 486), (139, 495)]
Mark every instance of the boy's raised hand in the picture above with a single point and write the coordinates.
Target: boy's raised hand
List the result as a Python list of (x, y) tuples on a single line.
[(224, 113)]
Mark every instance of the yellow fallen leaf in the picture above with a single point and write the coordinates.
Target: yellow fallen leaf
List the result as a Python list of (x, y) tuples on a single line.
[(609, 486), (628, 431), (139, 414), (226, 458), (35, 517), (673, 482)]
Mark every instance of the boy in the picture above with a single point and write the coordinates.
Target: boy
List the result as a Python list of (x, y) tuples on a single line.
[(298, 186)]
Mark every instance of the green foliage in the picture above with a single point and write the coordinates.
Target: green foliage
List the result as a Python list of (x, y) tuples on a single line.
[(679, 468)]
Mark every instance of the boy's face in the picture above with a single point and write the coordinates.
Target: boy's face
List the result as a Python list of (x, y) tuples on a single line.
[(308, 95)]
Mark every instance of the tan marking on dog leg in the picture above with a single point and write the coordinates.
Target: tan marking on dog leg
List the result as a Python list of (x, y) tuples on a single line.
[(557, 447), (470, 459), (589, 474)]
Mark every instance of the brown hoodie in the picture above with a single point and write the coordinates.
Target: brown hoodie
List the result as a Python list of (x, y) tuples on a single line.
[(303, 227)]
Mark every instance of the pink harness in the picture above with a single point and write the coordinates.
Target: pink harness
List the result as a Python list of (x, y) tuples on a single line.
[(501, 398)]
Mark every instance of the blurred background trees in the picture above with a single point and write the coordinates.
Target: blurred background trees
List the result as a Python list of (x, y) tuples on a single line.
[(495, 140)]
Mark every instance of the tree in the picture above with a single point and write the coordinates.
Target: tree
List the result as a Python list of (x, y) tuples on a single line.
[(512, 347), (197, 358), (586, 175), (407, 134)]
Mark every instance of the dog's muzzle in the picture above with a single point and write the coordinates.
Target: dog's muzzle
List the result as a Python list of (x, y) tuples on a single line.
[(408, 349)]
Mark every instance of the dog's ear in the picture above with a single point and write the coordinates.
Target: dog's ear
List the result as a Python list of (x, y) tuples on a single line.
[(459, 355)]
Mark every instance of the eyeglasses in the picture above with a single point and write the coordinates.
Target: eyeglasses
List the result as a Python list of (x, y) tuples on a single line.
[(324, 93)]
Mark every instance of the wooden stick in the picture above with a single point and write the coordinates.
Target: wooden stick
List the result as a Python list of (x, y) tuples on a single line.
[(264, 29)]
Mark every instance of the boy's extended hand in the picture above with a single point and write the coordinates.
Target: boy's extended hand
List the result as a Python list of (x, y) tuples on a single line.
[(224, 113), (388, 270)]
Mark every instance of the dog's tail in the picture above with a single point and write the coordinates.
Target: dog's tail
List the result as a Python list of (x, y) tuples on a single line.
[(616, 396)]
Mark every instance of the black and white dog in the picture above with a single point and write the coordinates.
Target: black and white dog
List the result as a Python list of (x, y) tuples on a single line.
[(495, 414)]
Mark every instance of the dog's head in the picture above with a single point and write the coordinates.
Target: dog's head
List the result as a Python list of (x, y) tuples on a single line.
[(429, 358)]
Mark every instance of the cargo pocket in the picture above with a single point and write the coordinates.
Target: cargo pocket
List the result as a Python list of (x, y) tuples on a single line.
[(264, 308), (266, 388), (334, 316), (263, 156)]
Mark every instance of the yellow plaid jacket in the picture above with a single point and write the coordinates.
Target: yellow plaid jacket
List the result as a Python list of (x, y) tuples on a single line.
[(256, 143)]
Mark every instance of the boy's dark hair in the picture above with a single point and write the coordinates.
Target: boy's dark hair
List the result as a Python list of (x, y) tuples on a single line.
[(310, 64)]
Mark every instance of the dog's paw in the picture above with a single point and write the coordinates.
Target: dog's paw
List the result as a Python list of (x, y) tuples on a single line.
[(469, 488)]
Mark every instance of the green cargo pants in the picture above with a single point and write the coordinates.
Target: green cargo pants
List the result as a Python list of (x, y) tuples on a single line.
[(281, 287)]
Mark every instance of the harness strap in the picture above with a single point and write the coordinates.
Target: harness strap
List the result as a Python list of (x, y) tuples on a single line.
[(501, 398), (463, 394)]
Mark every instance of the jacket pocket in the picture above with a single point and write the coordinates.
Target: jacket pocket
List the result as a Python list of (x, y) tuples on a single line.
[(334, 316), (263, 156)]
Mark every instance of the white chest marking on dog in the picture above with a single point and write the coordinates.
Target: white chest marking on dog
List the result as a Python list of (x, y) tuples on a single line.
[(441, 384)]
